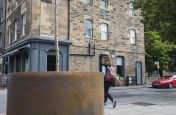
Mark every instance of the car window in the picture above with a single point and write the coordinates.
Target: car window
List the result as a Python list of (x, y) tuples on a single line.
[(174, 77), (167, 77)]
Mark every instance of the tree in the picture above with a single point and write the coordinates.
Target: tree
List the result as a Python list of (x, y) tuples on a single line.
[(160, 16), (160, 30), (157, 50)]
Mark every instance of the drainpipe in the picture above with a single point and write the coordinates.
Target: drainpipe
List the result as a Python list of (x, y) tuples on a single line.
[(56, 37), (68, 20)]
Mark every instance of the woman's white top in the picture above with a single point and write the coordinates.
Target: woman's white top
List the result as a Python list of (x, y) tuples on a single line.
[(103, 68)]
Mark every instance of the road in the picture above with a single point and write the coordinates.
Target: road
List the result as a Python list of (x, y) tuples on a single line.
[(138, 100), (143, 101)]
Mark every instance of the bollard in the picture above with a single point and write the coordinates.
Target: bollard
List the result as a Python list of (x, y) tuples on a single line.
[(55, 93)]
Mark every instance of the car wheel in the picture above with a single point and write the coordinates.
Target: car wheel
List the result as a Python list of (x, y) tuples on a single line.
[(171, 85)]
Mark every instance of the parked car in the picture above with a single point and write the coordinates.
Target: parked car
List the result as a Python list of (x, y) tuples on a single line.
[(167, 81)]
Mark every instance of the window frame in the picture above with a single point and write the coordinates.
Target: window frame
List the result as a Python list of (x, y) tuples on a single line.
[(89, 2), (47, 1), (133, 38), (15, 31), (0, 38), (122, 66), (104, 32), (9, 35), (24, 20), (89, 28), (131, 9), (105, 5)]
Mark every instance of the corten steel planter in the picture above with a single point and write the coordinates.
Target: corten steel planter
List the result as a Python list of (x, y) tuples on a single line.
[(55, 93)]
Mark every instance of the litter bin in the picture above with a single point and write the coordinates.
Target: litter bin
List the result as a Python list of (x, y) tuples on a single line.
[(55, 93), (129, 80)]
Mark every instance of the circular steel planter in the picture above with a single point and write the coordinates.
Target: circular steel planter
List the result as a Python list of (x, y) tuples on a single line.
[(55, 93)]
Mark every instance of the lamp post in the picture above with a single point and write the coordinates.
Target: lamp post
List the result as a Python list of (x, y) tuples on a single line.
[(56, 36)]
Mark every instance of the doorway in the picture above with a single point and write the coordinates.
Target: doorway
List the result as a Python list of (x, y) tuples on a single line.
[(138, 73), (51, 62)]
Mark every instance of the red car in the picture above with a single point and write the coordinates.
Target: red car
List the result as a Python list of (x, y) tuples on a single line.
[(167, 81)]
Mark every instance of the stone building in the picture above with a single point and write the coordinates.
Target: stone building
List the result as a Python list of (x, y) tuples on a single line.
[(2, 23), (87, 31)]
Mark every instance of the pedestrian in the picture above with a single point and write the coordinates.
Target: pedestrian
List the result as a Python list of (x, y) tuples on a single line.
[(106, 62)]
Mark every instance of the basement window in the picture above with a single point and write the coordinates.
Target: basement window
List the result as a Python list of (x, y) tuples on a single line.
[(47, 1)]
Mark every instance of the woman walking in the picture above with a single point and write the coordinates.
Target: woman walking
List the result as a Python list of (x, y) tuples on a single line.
[(106, 62)]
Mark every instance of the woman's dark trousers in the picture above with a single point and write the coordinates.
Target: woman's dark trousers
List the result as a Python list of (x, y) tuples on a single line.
[(107, 95)]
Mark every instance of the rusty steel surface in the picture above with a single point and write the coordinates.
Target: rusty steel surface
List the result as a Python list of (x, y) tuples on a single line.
[(55, 93)]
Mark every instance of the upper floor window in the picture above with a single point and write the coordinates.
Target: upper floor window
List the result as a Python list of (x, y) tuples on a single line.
[(131, 7), (104, 3), (15, 30), (1, 15), (9, 35), (89, 28), (24, 24), (16, 3), (104, 31), (0, 38), (133, 37), (47, 1), (89, 2)]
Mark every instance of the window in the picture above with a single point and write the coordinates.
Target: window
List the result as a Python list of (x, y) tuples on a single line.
[(1, 15), (9, 35), (104, 31), (24, 24), (89, 2), (0, 38), (133, 37), (120, 65), (15, 30), (104, 3), (47, 1), (132, 11), (89, 28), (16, 3)]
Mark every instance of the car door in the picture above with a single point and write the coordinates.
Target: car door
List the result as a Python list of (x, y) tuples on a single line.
[(174, 80)]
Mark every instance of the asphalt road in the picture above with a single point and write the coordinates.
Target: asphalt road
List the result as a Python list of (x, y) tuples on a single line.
[(142, 101), (145, 94), (132, 101)]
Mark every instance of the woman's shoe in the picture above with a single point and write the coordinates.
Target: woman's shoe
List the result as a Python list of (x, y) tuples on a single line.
[(114, 104)]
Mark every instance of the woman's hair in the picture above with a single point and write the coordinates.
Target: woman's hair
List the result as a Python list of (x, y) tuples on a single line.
[(108, 61)]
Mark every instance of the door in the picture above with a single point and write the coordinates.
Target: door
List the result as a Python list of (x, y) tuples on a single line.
[(138, 71), (101, 58), (174, 80), (63, 58), (51, 62)]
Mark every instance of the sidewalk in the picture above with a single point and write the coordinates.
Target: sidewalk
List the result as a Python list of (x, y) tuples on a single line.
[(130, 87)]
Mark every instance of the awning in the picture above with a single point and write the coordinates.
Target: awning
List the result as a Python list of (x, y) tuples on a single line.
[(9, 53), (13, 51)]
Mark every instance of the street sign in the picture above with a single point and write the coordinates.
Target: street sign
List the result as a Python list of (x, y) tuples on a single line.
[(156, 62)]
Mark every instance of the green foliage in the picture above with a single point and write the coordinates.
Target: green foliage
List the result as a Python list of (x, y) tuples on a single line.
[(158, 50), (160, 16), (160, 30)]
